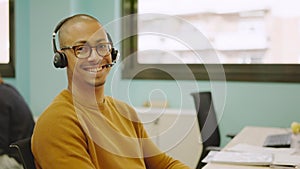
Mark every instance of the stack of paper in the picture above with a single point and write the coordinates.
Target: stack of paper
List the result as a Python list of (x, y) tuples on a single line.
[(241, 158), (244, 154)]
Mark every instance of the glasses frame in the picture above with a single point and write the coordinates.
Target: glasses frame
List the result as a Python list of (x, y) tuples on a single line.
[(91, 49)]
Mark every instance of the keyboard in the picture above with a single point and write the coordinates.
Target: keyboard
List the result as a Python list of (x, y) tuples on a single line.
[(278, 140)]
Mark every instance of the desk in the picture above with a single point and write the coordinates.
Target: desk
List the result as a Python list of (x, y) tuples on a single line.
[(249, 135)]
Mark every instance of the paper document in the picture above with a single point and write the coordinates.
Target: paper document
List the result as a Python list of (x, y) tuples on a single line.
[(281, 156), (244, 154), (242, 158)]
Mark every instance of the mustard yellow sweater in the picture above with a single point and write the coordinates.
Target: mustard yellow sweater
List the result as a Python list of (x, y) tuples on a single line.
[(76, 135)]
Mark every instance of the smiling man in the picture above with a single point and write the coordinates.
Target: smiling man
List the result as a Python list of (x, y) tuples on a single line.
[(83, 128)]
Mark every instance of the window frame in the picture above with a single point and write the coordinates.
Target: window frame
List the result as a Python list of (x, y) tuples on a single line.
[(8, 69), (233, 72)]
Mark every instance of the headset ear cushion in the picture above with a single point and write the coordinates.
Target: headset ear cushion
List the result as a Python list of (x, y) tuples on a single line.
[(60, 60), (114, 54)]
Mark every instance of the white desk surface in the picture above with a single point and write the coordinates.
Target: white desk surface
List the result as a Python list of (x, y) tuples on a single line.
[(249, 135)]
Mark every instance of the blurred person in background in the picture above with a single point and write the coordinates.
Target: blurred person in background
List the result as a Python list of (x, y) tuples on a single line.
[(16, 123)]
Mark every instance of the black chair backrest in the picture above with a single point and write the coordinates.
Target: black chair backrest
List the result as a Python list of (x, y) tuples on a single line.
[(207, 120), (23, 148)]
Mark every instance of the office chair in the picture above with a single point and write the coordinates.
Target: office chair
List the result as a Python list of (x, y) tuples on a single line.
[(208, 124), (23, 149)]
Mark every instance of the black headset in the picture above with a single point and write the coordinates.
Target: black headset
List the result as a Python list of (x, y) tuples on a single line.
[(60, 59)]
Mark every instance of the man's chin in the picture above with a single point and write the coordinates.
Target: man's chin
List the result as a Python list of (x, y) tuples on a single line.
[(99, 84)]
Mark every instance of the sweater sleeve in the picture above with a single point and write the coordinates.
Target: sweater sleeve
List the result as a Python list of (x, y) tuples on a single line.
[(163, 161), (58, 141)]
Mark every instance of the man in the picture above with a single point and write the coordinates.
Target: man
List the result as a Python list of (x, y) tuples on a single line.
[(83, 128), (16, 123)]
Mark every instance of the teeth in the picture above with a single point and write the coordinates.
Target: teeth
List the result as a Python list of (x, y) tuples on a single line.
[(95, 69)]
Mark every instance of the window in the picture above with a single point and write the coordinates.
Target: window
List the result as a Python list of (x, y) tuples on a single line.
[(243, 40), (7, 38)]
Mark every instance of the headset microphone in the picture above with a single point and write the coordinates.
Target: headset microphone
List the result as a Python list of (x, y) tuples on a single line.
[(114, 54), (107, 66)]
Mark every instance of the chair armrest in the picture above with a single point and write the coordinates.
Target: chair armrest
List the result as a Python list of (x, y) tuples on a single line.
[(230, 135)]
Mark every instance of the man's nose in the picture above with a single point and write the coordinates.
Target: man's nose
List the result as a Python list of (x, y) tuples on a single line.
[(94, 56)]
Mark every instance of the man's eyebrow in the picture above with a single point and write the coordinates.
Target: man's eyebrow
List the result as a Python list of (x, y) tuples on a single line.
[(80, 42)]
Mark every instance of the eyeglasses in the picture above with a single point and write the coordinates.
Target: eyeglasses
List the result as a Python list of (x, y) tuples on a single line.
[(85, 51)]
